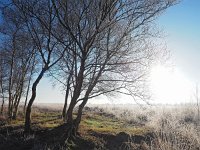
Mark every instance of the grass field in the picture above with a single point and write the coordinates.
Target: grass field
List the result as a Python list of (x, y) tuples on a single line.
[(109, 127)]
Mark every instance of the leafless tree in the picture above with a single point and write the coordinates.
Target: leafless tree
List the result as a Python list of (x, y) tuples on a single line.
[(111, 50), (43, 27), (18, 51)]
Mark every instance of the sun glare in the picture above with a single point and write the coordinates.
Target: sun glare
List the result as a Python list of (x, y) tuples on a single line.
[(168, 85)]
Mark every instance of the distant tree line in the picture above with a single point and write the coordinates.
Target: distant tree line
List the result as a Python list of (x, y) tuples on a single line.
[(90, 47)]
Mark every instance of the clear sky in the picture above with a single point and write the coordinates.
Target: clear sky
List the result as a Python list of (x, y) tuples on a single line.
[(181, 25)]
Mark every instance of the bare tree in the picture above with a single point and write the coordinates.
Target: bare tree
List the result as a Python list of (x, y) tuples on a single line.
[(18, 52), (110, 47), (44, 30)]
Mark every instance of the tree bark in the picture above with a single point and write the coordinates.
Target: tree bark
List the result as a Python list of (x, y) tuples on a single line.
[(66, 98), (79, 115), (27, 125), (29, 82), (25, 103), (16, 106), (3, 99), (70, 112), (10, 99), (27, 92), (65, 106), (2, 93), (2, 105), (77, 91)]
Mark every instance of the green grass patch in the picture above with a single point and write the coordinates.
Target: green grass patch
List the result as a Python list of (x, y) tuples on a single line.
[(103, 124), (48, 125)]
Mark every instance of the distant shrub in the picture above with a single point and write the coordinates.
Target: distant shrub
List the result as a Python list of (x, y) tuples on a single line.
[(142, 118), (189, 119)]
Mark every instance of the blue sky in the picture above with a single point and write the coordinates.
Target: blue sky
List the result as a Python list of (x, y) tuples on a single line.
[(181, 23)]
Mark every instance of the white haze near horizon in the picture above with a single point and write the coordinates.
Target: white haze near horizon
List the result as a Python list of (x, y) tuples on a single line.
[(167, 88)]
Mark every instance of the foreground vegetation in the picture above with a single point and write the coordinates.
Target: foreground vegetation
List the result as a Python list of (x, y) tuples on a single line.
[(108, 127)]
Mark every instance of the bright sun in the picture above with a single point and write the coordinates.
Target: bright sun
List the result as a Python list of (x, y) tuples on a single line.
[(169, 85)]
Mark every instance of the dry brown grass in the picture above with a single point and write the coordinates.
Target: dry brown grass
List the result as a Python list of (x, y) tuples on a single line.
[(176, 126)]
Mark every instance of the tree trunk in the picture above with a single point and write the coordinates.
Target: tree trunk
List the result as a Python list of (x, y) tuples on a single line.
[(10, 108), (66, 98), (77, 92), (65, 106), (2, 105), (14, 117), (79, 115), (10, 99), (71, 128), (29, 82), (70, 113), (27, 125), (72, 125), (27, 92), (2, 93), (70, 120), (10, 85), (15, 98)]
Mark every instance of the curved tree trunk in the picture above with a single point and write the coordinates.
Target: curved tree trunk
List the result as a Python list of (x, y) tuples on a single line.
[(79, 115), (85, 100), (77, 91), (29, 82), (71, 128), (27, 125), (73, 124)]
